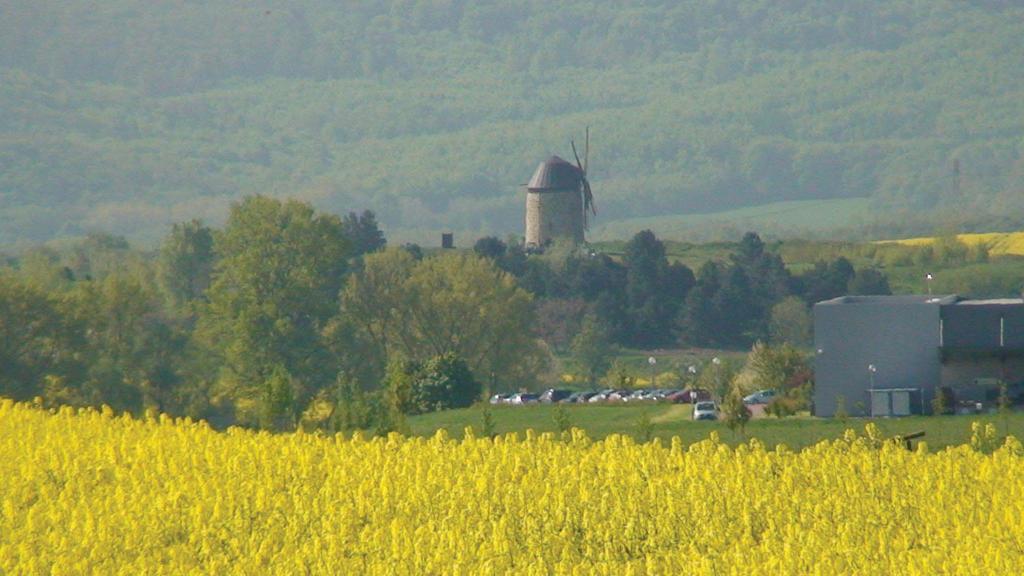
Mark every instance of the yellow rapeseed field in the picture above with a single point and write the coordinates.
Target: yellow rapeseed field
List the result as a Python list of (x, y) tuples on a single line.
[(88, 492), (998, 243)]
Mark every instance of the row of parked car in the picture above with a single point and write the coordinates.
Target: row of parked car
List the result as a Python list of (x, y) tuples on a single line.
[(673, 395), (556, 396), (704, 408)]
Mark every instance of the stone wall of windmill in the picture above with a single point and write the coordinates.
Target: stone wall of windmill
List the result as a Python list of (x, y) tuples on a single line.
[(554, 203)]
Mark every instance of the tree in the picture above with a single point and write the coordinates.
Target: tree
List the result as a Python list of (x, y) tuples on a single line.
[(772, 367), (399, 382), (735, 412), (374, 307), (591, 277), (827, 281), (769, 281), (558, 321), (784, 369), (699, 318), (443, 382), (490, 247), (791, 322), (277, 405), (736, 309), (33, 339), (645, 259), (100, 254), (275, 285), (618, 377), (514, 260), (132, 352), (644, 427), (591, 349), (868, 281), (362, 233), (718, 376), (464, 305), (186, 262), (450, 303), (563, 423), (350, 408), (414, 250), (654, 290)]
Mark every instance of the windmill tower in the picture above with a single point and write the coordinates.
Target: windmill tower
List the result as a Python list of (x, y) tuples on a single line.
[(558, 197)]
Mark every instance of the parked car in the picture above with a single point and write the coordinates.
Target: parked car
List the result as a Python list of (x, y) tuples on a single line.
[(573, 398), (661, 394), (629, 395), (500, 398), (678, 397), (688, 396), (641, 395), (618, 396), (759, 397), (524, 398), (705, 410), (552, 395)]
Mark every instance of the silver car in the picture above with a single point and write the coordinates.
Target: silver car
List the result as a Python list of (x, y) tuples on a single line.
[(705, 410)]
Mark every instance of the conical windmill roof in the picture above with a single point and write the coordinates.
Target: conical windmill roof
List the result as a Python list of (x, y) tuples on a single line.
[(555, 174)]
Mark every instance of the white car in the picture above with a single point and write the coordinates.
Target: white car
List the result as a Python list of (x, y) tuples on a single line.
[(523, 398), (500, 398), (705, 410)]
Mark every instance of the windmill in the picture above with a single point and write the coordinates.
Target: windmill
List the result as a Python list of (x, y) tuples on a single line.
[(558, 197), (588, 195)]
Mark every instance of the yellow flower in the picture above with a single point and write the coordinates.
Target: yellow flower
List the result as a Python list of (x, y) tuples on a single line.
[(88, 492)]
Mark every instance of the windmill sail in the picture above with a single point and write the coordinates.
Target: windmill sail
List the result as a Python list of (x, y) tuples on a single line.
[(588, 194)]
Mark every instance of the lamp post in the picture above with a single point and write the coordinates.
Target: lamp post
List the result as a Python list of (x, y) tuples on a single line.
[(716, 361), (928, 282), (691, 379), (653, 362), (871, 394)]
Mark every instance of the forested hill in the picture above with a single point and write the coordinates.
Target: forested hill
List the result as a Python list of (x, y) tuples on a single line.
[(125, 116)]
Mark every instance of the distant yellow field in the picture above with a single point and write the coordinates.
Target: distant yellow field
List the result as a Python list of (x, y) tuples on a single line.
[(999, 243)]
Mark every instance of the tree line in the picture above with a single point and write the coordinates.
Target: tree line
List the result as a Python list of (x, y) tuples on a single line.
[(288, 316), (643, 299), (280, 316)]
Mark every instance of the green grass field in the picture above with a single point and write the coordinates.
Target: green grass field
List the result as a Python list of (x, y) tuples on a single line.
[(786, 219), (668, 420)]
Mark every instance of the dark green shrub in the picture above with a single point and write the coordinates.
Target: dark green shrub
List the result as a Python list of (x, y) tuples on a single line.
[(441, 383)]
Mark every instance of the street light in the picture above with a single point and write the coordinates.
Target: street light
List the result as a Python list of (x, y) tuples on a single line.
[(871, 394), (928, 281), (718, 379), (653, 362)]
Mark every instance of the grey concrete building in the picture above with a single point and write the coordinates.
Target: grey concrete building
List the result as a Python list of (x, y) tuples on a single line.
[(888, 355)]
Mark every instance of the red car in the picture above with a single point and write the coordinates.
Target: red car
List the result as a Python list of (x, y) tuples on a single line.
[(689, 396)]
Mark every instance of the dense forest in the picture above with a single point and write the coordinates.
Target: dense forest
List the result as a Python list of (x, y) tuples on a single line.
[(127, 117)]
